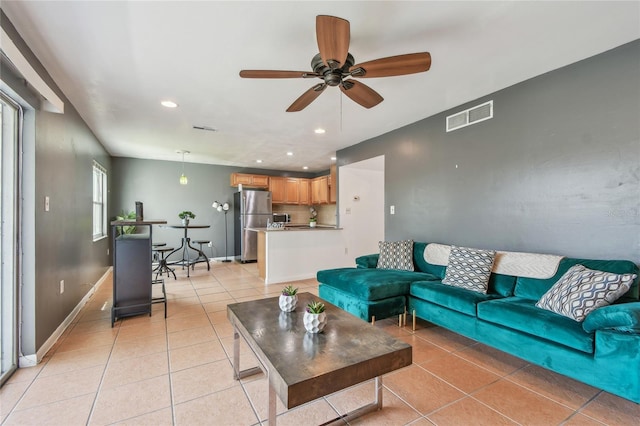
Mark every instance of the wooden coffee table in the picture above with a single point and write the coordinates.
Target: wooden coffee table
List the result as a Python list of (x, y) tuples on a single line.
[(301, 366)]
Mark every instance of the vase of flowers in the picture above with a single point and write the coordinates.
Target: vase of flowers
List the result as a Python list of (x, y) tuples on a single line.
[(288, 299), (185, 216), (315, 319), (313, 217)]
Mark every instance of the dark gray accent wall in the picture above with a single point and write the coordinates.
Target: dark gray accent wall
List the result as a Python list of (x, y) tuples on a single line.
[(59, 153), (557, 169)]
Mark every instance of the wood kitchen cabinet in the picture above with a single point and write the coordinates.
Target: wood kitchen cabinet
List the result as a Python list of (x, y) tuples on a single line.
[(305, 192), (252, 181), (333, 185), (293, 191), (277, 186), (320, 190), (286, 190)]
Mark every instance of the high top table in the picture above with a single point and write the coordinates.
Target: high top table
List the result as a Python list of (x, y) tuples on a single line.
[(185, 246), (301, 366)]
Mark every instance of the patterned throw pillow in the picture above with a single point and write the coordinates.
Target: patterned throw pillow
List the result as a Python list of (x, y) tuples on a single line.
[(396, 255), (581, 290), (469, 268)]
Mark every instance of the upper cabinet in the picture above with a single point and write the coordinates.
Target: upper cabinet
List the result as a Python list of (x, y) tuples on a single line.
[(287, 190), (277, 186), (333, 185), (320, 190), (252, 181), (305, 191)]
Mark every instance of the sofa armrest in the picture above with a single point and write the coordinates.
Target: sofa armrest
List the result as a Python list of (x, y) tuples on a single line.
[(620, 317), (367, 261)]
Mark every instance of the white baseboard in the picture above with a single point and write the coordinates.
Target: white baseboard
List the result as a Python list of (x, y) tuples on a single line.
[(33, 359)]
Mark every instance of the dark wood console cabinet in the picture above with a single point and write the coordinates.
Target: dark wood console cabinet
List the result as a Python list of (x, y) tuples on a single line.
[(132, 270)]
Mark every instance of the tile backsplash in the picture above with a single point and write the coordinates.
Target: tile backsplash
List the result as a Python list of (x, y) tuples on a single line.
[(301, 214)]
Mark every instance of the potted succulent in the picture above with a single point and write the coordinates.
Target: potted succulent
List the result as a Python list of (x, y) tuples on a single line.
[(288, 299), (185, 216), (314, 317)]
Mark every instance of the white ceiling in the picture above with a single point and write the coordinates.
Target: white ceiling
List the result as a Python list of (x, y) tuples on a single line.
[(117, 60)]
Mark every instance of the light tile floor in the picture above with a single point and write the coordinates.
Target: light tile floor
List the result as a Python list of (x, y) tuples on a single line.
[(148, 370)]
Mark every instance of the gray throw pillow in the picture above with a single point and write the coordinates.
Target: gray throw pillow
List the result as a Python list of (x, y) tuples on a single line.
[(396, 255), (469, 268), (582, 290)]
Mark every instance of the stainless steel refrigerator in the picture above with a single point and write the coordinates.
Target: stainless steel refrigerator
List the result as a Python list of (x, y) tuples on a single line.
[(251, 209)]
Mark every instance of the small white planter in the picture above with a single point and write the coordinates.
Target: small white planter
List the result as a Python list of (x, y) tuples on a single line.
[(288, 303), (314, 323), (312, 224), (185, 221)]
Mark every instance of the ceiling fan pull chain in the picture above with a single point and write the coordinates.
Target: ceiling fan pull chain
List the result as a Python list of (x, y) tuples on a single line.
[(341, 111)]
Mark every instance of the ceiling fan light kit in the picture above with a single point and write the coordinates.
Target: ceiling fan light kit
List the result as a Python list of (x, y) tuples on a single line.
[(336, 66)]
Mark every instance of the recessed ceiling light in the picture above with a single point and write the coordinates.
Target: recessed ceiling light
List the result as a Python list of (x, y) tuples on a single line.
[(319, 131), (305, 168), (290, 154), (333, 158), (258, 161), (169, 104)]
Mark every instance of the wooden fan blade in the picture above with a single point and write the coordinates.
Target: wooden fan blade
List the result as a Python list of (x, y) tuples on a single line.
[(361, 93), (274, 74), (333, 35), (394, 65), (307, 97)]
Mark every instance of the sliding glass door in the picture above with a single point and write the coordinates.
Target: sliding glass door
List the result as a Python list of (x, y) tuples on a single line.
[(11, 126)]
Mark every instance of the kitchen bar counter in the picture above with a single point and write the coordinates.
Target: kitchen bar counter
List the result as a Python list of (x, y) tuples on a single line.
[(299, 252), (297, 228)]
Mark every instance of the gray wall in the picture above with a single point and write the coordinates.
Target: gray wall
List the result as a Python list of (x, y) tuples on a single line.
[(155, 183), (557, 170), (59, 150)]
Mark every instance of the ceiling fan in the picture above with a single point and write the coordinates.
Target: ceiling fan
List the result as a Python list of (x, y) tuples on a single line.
[(334, 65)]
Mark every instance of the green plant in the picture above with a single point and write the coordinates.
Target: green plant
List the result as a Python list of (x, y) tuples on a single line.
[(289, 291), (315, 307), (186, 215), (313, 219), (126, 229)]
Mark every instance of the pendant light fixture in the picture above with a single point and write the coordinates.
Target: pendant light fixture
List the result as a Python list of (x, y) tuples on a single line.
[(183, 178)]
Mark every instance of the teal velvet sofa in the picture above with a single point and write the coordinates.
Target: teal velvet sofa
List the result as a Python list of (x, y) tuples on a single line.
[(602, 351)]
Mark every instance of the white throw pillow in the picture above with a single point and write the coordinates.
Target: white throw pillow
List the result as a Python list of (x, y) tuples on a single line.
[(581, 290), (469, 268)]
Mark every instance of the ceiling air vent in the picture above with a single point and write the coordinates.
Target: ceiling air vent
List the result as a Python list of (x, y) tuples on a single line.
[(207, 128), (470, 116)]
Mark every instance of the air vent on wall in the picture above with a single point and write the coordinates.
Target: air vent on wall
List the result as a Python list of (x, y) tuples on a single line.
[(207, 128), (470, 116)]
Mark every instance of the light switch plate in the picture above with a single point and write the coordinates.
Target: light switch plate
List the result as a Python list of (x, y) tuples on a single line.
[(392, 210), (46, 203)]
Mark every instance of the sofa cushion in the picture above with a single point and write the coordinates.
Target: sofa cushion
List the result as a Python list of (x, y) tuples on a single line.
[(469, 268), (396, 255), (532, 288), (623, 317), (372, 284), (421, 263), (582, 290), (455, 298), (364, 309), (522, 315)]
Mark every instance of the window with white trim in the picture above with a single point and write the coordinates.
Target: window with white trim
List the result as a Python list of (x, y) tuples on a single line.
[(99, 201)]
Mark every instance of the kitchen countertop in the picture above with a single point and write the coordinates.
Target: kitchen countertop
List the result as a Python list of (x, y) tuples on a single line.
[(297, 228)]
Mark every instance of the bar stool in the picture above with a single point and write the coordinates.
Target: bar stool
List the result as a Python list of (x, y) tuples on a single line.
[(163, 298), (155, 253), (162, 264), (201, 243)]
